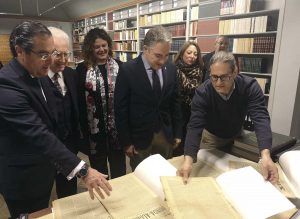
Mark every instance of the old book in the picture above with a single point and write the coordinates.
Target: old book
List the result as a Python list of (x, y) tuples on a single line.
[(289, 162), (240, 193), (134, 195)]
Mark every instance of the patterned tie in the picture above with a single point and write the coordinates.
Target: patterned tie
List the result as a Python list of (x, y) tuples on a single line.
[(55, 82), (156, 84)]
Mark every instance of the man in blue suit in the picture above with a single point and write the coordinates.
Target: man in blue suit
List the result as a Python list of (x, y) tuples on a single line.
[(29, 150), (147, 107)]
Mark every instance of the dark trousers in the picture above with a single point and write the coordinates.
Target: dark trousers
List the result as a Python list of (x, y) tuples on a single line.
[(65, 187), (17, 207), (115, 158), (186, 113), (159, 145)]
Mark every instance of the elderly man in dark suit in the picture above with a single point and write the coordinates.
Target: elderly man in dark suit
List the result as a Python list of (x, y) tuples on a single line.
[(147, 107), (63, 102), (29, 150)]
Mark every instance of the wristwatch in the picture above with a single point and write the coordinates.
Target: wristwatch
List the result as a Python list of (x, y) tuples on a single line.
[(83, 171)]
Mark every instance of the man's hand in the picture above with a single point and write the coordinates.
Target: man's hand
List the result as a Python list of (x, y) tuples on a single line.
[(269, 169), (185, 169), (177, 141), (96, 180), (130, 151)]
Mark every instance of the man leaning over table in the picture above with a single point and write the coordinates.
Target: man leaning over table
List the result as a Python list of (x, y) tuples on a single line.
[(218, 112), (29, 150)]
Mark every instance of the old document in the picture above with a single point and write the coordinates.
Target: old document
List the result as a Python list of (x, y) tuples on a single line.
[(200, 198)]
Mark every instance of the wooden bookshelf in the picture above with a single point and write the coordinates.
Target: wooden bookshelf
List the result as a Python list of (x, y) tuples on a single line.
[(249, 25), (5, 54)]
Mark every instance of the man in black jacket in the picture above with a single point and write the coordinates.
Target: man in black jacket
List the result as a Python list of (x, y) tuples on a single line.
[(29, 150), (61, 80), (147, 106)]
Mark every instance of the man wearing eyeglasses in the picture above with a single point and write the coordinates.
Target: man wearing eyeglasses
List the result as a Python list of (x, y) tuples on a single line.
[(63, 102), (221, 44), (29, 150), (219, 108)]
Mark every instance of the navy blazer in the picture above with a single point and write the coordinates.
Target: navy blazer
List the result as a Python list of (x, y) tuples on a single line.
[(29, 150), (137, 110)]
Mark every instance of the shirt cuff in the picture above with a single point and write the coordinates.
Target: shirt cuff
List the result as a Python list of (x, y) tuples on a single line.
[(74, 171)]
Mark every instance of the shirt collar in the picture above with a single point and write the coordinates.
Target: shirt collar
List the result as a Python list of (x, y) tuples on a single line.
[(146, 63), (227, 97), (51, 74)]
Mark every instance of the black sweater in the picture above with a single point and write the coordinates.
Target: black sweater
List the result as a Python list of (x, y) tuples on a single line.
[(225, 118)]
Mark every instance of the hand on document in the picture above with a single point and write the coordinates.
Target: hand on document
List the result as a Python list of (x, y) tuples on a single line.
[(185, 169), (268, 168), (97, 181)]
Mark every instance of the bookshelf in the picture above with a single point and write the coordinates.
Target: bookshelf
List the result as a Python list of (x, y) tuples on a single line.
[(80, 29), (172, 14), (250, 25), (122, 26)]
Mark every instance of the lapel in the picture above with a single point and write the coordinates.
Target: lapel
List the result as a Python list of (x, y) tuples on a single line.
[(71, 87), (33, 86)]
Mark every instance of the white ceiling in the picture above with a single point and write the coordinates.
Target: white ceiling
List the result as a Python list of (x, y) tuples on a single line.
[(64, 10)]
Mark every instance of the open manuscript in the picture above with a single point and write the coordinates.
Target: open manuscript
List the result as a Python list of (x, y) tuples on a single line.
[(135, 195), (240, 193)]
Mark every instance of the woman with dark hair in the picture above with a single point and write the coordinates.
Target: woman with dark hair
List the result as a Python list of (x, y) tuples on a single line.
[(97, 76), (189, 73)]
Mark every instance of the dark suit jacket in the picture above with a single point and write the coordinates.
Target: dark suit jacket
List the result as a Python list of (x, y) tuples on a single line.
[(28, 146), (136, 108), (71, 81)]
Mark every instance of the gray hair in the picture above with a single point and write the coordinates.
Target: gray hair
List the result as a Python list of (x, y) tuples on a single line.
[(58, 33), (157, 34), (223, 57)]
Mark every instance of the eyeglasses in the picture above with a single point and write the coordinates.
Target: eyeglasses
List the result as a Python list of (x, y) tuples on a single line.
[(60, 55), (222, 43), (44, 56), (223, 78)]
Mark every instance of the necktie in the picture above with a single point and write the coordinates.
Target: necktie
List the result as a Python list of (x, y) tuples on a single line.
[(156, 84), (55, 82)]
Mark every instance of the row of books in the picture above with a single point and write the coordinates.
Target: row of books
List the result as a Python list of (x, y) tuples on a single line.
[(264, 84), (96, 20), (255, 65), (126, 35), (194, 13), (128, 45), (157, 6), (123, 14), (163, 18), (123, 24), (235, 7), (176, 30), (78, 38), (177, 44), (253, 45), (125, 56), (88, 28), (204, 27), (258, 24)]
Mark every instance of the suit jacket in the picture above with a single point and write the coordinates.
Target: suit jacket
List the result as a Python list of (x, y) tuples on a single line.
[(71, 81), (137, 109), (28, 146)]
